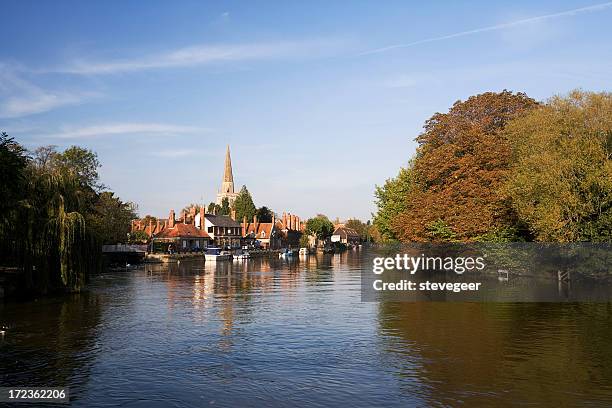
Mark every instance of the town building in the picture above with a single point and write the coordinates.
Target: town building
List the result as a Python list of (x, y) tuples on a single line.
[(345, 235), (263, 234), (179, 236), (280, 233), (227, 184), (223, 230)]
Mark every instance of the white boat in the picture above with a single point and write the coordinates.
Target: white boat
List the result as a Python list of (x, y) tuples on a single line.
[(215, 254), (304, 251), (244, 255)]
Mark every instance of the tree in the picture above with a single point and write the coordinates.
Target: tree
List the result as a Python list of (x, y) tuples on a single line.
[(462, 162), (264, 214), (224, 209), (243, 205), (13, 163), (391, 200), (187, 209), (213, 208), (83, 163), (360, 227), (111, 218), (56, 219), (561, 181), (320, 227)]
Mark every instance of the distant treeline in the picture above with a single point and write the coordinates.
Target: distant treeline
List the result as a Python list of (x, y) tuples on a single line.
[(502, 167), (55, 215)]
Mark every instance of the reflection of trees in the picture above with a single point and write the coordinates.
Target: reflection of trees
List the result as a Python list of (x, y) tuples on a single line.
[(502, 354), (50, 342)]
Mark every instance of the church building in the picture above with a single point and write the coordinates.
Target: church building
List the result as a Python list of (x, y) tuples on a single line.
[(227, 185)]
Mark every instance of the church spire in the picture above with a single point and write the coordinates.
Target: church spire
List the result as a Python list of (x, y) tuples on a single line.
[(227, 184), (228, 177)]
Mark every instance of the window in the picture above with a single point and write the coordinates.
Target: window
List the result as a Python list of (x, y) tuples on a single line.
[(210, 229), (263, 234)]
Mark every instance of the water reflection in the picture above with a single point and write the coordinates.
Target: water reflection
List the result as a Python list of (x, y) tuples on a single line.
[(501, 354), (295, 333)]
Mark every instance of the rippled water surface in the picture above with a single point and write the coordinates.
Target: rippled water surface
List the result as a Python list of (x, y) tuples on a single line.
[(295, 333)]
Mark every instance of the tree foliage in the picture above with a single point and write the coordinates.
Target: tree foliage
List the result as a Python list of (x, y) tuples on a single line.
[(319, 226), (224, 208), (461, 164), (561, 183), (391, 200), (243, 205), (264, 214), (56, 218)]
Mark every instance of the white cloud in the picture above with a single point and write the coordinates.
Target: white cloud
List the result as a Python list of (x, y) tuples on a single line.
[(19, 97), (204, 54), (568, 13), (124, 129)]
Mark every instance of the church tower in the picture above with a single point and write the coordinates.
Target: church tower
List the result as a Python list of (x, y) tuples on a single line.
[(227, 184)]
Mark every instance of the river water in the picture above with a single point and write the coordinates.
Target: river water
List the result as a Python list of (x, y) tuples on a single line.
[(281, 333)]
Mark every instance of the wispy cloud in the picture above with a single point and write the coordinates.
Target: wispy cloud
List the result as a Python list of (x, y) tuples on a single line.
[(125, 129), (204, 54), (19, 97), (568, 13)]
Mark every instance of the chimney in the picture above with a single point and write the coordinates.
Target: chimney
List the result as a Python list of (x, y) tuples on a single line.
[(255, 223), (233, 214), (171, 219), (290, 221), (157, 228), (284, 219), (244, 225), (150, 227), (297, 223), (202, 218), (192, 212)]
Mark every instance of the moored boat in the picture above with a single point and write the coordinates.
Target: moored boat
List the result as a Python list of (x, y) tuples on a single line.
[(215, 254)]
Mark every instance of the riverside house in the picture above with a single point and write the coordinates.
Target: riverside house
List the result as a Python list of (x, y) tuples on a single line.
[(180, 236)]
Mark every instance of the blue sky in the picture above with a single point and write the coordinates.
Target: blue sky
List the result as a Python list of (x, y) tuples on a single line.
[(319, 101)]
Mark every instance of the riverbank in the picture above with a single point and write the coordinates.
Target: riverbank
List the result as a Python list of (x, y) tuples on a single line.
[(164, 258)]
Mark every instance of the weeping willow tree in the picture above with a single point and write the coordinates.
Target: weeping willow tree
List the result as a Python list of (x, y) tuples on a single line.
[(56, 248), (46, 228)]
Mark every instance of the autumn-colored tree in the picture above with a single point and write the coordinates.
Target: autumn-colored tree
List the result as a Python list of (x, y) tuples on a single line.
[(461, 164), (561, 183)]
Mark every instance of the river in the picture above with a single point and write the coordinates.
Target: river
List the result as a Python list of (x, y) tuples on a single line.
[(281, 333)]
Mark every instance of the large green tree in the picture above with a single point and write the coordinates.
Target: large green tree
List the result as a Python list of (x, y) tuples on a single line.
[(320, 227), (264, 214), (561, 180), (243, 205), (391, 200), (111, 218)]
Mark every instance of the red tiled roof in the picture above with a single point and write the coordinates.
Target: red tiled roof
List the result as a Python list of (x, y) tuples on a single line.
[(182, 230), (262, 227)]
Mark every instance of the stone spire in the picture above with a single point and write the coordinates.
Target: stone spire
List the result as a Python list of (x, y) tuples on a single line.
[(228, 177), (227, 185)]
